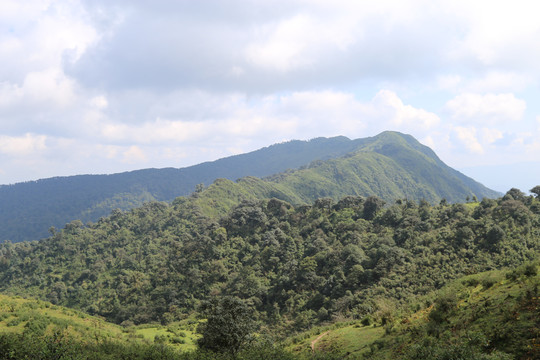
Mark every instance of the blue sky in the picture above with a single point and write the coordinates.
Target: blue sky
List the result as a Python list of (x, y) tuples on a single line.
[(108, 86)]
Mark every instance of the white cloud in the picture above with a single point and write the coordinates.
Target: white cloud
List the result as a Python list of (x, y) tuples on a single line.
[(39, 35), (37, 38), (50, 86), (488, 109), (498, 30), (29, 144), (115, 85), (403, 116), (134, 155), (489, 136), (99, 102), (307, 114), (467, 136), (490, 82), (284, 46), (154, 132), (298, 41), (334, 113), (9, 94)]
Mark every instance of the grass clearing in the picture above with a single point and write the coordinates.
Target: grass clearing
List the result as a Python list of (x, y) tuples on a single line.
[(351, 340)]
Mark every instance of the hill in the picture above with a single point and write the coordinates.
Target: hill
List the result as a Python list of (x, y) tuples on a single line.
[(491, 315), (390, 165), (297, 266), (57, 201), (34, 329)]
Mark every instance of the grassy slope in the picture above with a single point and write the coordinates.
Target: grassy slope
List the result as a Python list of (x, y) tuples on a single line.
[(341, 338), (363, 173), (492, 315), (388, 167), (18, 314), (220, 197)]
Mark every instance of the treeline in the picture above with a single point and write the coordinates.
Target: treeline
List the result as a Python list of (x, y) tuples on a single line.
[(60, 345), (28, 209), (295, 266)]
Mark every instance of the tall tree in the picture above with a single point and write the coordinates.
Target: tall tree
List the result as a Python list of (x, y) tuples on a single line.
[(229, 324)]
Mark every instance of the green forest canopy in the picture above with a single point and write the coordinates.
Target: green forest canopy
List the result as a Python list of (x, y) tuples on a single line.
[(297, 266)]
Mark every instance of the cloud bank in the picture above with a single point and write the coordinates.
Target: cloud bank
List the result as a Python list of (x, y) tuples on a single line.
[(100, 87)]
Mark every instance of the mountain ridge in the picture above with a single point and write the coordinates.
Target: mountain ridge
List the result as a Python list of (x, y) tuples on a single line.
[(56, 201)]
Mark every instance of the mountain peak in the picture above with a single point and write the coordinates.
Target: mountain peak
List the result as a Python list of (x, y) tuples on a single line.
[(390, 164)]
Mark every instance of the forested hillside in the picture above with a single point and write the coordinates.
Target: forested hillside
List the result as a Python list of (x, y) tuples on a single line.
[(28, 210), (492, 315), (297, 266), (390, 165)]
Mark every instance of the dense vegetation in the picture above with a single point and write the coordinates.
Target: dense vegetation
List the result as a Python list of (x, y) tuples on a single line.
[(491, 315), (27, 210), (237, 268), (390, 165), (296, 266), (271, 269)]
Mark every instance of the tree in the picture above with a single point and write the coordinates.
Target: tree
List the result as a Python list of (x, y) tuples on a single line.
[(514, 194), (229, 324), (199, 188), (536, 191), (494, 236), (371, 206)]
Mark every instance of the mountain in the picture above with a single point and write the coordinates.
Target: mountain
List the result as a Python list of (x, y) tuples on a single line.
[(390, 165), (293, 267)]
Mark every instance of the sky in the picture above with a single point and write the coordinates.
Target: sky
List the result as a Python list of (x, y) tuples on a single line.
[(101, 86)]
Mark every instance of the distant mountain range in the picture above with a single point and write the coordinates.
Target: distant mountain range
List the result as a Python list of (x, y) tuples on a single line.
[(390, 165)]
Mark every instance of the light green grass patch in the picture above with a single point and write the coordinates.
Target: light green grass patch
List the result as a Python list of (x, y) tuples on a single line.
[(350, 340), (175, 335)]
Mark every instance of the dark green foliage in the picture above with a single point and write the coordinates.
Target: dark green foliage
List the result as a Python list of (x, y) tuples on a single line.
[(526, 270), (499, 321), (36, 326), (372, 205), (494, 235), (60, 346), (390, 165), (31, 346), (229, 325), (297, 266), (471, 347)]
